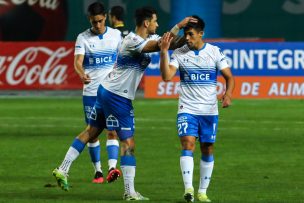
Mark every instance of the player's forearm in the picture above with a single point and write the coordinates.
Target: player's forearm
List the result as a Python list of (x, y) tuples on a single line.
[(229, 86), (164, 66), (151, 46), (177, 42), (79, 69)]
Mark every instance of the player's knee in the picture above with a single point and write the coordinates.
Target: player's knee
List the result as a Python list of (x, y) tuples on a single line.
[(186, 145), (127, 148), (91, 133), (207, 148), (128, 152), (112, 135)]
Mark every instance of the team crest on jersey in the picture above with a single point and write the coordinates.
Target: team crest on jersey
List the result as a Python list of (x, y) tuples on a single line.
[(198, 60), (112, 121), (181, 107)]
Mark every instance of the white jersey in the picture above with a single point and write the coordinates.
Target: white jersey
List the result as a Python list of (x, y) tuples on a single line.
[(100, 52), (198, 78), (130, 66)]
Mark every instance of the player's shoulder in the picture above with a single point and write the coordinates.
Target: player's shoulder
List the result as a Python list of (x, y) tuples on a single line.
[(153, 37), (212, 47), (182, 50), (113, 31), (133, 38), (85, 34)]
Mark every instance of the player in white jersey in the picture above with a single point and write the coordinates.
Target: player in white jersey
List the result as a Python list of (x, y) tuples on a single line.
[(95, 54), (115, 103), (197, 118), (116, 93)]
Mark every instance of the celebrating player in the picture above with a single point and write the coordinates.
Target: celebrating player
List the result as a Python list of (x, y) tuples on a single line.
[(115, 95), (95, 54), (197, 118)]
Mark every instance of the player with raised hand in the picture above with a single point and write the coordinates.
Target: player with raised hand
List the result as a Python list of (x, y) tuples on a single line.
[(117, 90), (197, 118), (115, 95)]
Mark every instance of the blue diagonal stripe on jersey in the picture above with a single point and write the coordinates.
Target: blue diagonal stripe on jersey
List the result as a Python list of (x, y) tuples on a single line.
[(137, 63)]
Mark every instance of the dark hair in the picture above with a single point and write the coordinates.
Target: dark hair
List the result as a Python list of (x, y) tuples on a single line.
[(198, 26), (96, 9), (118, 12), (144, 13)]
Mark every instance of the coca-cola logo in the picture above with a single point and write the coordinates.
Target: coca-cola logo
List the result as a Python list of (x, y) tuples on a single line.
[(24, 67), (49, 4)]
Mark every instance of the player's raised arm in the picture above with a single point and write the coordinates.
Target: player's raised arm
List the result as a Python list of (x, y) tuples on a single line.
[(152, 45), (78, 61), (179, 41), (226, 100), (167, 71)]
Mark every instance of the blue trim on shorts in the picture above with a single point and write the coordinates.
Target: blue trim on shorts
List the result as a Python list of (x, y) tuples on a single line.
[(125, 134)]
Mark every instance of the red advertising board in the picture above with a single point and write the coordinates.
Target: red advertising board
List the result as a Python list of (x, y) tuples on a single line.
[(37, 65)]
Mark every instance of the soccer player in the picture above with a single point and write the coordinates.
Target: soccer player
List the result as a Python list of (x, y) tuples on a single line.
[(116, 20), (114, 100), (95, 54), (197, 118), (116, 93)]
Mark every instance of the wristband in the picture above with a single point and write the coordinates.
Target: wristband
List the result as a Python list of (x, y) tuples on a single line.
[(175, 30)]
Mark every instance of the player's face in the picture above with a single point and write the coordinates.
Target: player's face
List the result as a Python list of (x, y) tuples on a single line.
[(193, 38), (153, 25), (98, 23)]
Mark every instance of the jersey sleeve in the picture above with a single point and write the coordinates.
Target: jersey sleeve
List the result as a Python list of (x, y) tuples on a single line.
[(136, 44), (155, 37), (173, 60), (221, 60), (79, 46)]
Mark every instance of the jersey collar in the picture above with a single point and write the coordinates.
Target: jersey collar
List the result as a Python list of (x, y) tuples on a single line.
[(196, 52)]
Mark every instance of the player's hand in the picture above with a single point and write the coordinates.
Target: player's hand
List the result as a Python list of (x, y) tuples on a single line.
[(165, 41), (185, 21), (85, 79), (226, 101)]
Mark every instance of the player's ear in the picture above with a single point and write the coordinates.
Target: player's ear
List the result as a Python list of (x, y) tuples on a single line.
[(201, 33), (146, 23)]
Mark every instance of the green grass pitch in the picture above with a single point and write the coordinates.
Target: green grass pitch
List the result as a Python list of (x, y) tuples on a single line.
[(259, 153)]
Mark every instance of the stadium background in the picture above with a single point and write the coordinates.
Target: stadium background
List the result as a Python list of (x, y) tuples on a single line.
[(259, 151)]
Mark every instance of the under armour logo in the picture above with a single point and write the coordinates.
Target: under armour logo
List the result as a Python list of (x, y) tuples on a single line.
[(206, 178), (186, 60), (184, 172)]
